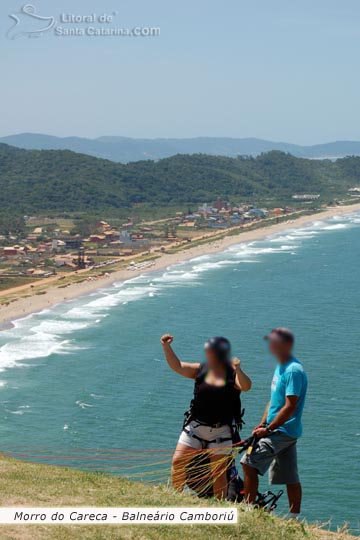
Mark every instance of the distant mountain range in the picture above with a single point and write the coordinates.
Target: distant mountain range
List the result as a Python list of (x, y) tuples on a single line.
[(125, 149)]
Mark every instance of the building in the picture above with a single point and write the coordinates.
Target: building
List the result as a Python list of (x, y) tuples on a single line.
[(74, 242), (258, 213), (97, 238), (220, 204), (125, 237), (306, 197), (11, 251), (103, 226)]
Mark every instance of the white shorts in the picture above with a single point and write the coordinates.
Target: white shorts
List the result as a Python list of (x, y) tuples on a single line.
[(207, 433)]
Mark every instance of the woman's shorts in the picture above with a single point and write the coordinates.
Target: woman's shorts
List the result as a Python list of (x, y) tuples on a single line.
[(210, 437)]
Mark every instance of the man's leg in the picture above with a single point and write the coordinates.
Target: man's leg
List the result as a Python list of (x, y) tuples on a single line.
[(255, 463), (284, 470), (251, 483), (294, 492)]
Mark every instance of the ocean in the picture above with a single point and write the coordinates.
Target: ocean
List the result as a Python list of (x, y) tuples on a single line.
[(85, 383)]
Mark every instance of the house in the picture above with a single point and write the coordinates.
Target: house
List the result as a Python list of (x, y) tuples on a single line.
[(62, 260), (258, 213), (97, 238), (277, 211), (40, 273), (103, 226), (58, 245), (217, 224), (112, 234), (73, 242), (32, 237), (11, 251)]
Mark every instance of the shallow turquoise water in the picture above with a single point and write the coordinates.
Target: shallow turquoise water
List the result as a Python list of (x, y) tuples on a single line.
[(89, 374)]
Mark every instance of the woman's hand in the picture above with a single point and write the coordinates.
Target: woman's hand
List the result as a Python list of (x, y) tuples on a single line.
[(242, 381), (166, 339), (236, 363)]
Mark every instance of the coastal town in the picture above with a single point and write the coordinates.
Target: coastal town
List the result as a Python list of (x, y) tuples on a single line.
[(48, 247)]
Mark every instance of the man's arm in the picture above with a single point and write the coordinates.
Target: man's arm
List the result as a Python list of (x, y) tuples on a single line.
[(263, 419), (285, 413), (242, 381), (265, 415), (283, 416), (293, 388), (182, 368)]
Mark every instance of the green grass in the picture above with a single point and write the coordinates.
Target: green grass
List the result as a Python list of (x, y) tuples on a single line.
[(42, 485), (8, 282)]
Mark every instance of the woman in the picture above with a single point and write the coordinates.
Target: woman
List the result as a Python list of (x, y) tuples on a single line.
[(209, 424)]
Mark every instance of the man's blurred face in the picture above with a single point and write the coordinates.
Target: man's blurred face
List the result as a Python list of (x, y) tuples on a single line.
[(280, 348)]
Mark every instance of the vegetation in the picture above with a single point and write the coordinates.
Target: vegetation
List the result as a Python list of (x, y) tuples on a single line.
[(33, 181), (45, 486)]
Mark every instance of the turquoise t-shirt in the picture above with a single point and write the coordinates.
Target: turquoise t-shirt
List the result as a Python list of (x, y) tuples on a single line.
[(289, 380)]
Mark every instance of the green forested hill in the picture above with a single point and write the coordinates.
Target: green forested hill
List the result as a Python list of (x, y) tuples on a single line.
[(61, 180)]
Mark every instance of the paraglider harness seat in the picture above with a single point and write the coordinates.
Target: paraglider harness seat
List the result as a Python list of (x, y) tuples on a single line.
[(235, 423)]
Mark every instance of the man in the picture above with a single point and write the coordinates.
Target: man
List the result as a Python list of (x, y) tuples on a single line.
[(280, 426)]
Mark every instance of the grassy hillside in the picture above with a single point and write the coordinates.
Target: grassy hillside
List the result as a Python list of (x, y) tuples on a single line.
[(41, 485), (60, 180)]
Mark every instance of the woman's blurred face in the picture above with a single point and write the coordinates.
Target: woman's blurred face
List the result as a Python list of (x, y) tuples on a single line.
[(211, 358)]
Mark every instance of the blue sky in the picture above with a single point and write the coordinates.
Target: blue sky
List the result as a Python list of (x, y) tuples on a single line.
[(277, 69)]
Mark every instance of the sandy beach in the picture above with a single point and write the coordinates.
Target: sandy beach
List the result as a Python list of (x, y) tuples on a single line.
[(54, 294)]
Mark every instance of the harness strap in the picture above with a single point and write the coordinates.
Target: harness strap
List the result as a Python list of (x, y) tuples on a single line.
[(205, 443)]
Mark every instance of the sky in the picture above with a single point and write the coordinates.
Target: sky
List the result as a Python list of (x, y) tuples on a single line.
[(283, 70)]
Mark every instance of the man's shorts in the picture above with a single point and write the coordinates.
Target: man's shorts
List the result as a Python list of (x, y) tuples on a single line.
[(277, 452), (210, 437)]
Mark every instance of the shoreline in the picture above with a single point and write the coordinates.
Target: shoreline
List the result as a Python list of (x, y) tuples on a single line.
[(55, 294)]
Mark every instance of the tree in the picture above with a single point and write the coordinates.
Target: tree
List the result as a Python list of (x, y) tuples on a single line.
[(12, 224)]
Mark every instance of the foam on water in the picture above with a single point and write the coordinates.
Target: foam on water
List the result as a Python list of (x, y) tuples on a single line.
[(46, 333), (335, 227)]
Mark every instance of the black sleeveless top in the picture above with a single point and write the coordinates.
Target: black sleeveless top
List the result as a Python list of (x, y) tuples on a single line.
[(215, 404)]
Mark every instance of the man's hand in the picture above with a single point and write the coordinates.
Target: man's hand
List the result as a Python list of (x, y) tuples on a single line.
[(166, 339), (261, 432), (262, 425), (236, 363)]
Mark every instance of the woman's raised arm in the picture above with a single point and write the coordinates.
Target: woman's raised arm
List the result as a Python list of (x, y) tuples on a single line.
[(182, 368), (242, 381)]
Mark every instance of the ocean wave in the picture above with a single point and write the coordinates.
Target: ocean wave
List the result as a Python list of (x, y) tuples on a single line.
[(335, 227), (53, 331), (83, 405), (30, 347)]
